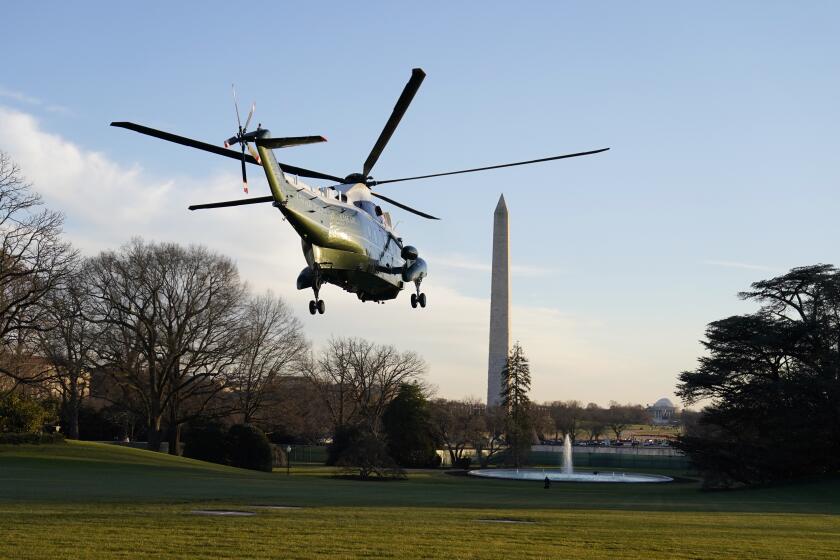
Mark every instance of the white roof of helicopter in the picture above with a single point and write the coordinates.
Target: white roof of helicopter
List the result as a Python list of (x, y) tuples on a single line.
[(354, 192)]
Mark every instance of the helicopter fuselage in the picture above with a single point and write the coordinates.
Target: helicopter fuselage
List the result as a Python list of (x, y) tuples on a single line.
[(346, 239)]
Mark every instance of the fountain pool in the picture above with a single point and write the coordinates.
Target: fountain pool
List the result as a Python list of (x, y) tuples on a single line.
[(567, 473)]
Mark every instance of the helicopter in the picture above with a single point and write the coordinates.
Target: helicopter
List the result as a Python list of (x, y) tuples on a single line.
[(347, 239)]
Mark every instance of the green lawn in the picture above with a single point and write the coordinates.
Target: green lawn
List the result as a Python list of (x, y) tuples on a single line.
[(84, 500)]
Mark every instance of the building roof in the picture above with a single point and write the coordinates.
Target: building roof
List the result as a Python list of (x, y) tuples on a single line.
[(663, 403)]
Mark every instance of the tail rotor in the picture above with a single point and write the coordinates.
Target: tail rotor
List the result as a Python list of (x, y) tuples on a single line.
[(240, 139)]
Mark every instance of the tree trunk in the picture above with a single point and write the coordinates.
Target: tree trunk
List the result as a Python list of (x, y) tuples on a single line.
[(174, 439), (153, 436), (174, 431), (71, 418), (70, 410), (479, 451)]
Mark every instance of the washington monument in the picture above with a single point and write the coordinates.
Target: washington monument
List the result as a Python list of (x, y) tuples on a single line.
[(499, 304)]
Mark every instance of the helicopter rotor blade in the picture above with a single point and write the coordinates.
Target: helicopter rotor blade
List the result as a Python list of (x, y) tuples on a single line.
[(275, 143), (254, 153), (303, 172), (227, 203), (492, 167), (250, 114), (236, 106), (417, 76), (244, 174), (404, 207), (184, 141)]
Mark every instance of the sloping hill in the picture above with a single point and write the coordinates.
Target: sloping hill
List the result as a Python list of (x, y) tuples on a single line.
[(86, 471)]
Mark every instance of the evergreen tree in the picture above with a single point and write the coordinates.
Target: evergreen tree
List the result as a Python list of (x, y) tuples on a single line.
[(516, 382), (407, 424), (772, 381)]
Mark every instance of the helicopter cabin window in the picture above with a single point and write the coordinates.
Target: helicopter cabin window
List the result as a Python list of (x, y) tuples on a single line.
[(329, 193), (368, 207)]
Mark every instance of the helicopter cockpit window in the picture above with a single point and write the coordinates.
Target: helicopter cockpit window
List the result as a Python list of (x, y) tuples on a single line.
[(367, 206)]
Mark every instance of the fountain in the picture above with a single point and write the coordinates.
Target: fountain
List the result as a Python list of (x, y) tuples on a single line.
[(567, 455), (567, 472)]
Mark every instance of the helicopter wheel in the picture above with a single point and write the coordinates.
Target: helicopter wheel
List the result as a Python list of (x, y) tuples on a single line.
[(313, 306), (320, 306), (421, 299), (413, 300)]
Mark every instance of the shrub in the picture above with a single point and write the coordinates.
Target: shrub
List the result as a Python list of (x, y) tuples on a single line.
[(248, 448), (29, 438), (359, 451), (206, 442), (94, 425), (341, 442), (463, 463), (21, 415)]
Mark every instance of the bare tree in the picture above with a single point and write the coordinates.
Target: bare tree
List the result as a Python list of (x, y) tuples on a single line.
[(541, 422), (34, 260), (458, 424), (69, 344), (618, 417), (273, 344), (357, 379), (171, 317), (567, 417), (594, 423), (293, 410), (491, 440)]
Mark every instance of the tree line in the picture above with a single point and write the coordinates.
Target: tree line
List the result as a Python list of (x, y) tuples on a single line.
[(168, 333)]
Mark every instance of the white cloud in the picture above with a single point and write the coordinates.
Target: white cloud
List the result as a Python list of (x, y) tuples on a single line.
[(108, 202), (29, 100), (18, 96)]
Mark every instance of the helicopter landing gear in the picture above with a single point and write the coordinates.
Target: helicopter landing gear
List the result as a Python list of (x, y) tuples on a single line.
[(316, 305), (418, 297)]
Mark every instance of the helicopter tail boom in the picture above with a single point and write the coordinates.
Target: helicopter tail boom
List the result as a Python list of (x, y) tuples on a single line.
[(280, 187)]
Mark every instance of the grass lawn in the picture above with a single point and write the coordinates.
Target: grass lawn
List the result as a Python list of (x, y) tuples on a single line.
[(84, 500)]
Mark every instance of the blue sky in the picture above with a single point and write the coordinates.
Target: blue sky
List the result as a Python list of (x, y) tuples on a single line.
[(721, 117)]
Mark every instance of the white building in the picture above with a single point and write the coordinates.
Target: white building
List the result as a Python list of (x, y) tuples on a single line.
[(663, 411)]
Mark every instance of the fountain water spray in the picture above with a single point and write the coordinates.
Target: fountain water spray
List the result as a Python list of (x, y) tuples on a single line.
[(567, 455)]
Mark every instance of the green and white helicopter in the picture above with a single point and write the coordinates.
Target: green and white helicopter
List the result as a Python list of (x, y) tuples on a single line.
[(347, 239)]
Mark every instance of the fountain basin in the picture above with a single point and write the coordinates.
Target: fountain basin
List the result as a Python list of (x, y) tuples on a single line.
[(560, 476)]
